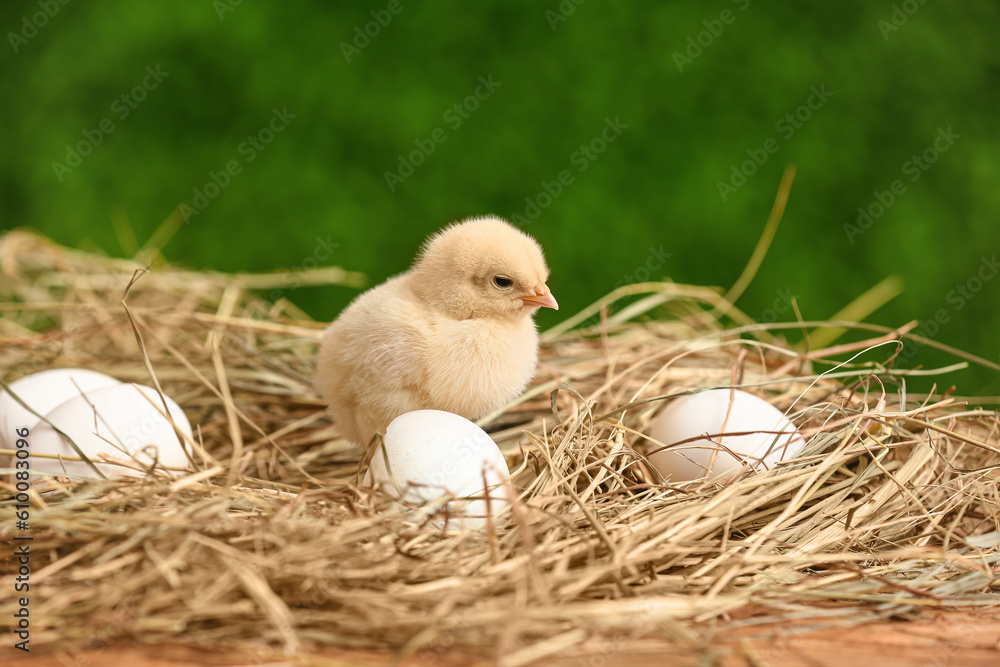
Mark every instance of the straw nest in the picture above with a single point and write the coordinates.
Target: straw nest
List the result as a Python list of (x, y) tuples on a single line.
[(270, 544)]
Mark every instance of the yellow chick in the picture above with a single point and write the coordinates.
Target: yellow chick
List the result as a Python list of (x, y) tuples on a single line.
[(453, 333)]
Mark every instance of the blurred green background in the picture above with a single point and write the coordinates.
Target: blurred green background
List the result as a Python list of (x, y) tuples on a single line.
[(701, 87)]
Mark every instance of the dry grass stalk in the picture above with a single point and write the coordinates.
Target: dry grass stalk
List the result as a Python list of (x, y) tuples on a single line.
[(269, 542)]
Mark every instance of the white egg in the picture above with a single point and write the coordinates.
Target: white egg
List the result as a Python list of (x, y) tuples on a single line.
[(44, 391), (431, 453), (767, 436), (124, 422)]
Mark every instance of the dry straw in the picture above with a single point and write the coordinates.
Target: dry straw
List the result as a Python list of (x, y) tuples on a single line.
[(269, 543)]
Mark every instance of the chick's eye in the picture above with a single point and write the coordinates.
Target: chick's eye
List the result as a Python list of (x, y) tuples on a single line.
[(502, 282)]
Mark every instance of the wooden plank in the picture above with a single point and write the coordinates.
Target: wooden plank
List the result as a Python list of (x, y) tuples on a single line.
[(952, 638)]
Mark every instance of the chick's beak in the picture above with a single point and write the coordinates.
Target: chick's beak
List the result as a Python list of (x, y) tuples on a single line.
[(544, 300)]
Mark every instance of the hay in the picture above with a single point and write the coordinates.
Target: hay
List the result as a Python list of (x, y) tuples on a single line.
[(270, 544)]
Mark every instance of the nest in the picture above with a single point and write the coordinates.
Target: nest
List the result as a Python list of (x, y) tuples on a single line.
[(271, 544)]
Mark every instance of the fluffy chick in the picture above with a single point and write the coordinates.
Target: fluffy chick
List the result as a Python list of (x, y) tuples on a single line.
[(453, 333)]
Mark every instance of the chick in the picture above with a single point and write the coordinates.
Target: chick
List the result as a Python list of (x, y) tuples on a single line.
[(453, 333)]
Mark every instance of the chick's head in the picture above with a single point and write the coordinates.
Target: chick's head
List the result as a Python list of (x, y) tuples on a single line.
[(483, 267)]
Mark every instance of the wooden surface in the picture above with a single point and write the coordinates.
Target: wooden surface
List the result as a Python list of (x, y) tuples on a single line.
[(939, 639)]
